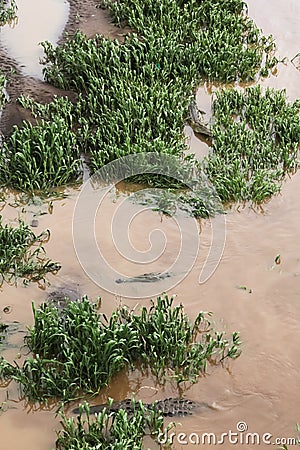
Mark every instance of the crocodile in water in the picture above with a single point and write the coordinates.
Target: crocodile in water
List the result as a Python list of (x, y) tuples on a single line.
[(60, 298), (196, 121), (145, 278), (168, 407)]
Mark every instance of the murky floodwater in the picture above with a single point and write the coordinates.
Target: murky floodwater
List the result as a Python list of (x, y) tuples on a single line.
[(38, 21), (259, 388)]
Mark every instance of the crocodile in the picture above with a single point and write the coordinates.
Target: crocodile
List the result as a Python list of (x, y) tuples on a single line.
[(60, 298), (196, 121), (169, 407), (145, 278)]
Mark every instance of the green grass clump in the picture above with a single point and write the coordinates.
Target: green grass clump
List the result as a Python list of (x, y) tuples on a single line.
[(22, 254), (8, 12), (171, 343), (215, 39), (41, 156), (78, 350), (109, 430), (256, 143), (125, 104), (134, 96)]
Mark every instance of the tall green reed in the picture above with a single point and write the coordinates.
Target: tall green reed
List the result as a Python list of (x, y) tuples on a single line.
[(41, 156), (79, 351), (109, 430), (22, 254), (133, 97), (256, 143), (8, 12)]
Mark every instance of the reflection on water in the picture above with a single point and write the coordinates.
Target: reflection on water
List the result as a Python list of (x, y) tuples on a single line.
[(38, 21)]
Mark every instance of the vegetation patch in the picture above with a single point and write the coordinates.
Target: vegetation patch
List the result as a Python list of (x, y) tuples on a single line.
[(125, 105), (132, 96), (171, 343), (202, 202), (22, 254), (8, 12), (256, 143), (135, 96), (211, 39), (44, 155), (109, 429), (77, 350)]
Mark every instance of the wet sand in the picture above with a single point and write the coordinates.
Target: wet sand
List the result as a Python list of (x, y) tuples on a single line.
[(261, 386)]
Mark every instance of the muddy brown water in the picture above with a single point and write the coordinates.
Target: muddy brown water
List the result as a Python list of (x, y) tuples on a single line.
[(260, 388), (37, 21)]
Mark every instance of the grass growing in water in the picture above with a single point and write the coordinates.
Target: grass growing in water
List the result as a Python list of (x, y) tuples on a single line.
[(171, 343), (41, 156), (109, 430), (256, 143), (125, 106), (133, 97), (80, 351), (22, 254), (211, 39), (8, 12)]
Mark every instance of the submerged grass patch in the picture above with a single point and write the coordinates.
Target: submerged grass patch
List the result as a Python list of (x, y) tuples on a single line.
[(8, 12), (132, 96), (80, 351), (135, 95), (44, 155), (256, 143), (109, 430), (211, 39), (22, 254), (125, 105)]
